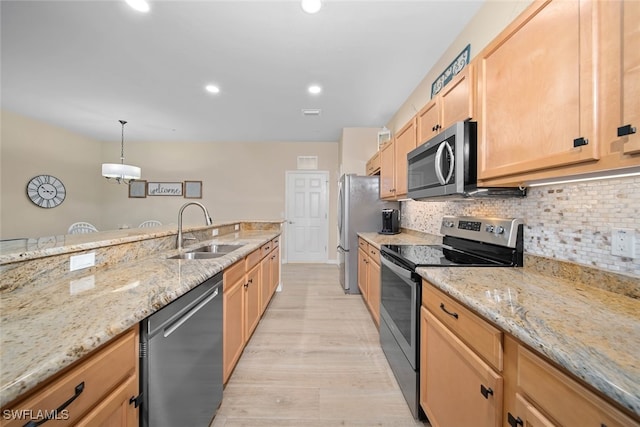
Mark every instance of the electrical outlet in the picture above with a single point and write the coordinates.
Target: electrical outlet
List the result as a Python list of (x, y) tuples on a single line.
[(214, 232), (236, 227), (623, 242), (78, 262)]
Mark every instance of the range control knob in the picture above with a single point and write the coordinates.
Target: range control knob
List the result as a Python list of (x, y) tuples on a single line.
[(449, 224), (489, 228), (499, 230)]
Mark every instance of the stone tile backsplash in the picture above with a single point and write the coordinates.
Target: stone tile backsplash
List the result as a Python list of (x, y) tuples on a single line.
[(568, 222)]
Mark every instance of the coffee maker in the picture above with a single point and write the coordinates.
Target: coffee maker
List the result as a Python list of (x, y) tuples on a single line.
[(390, 221)]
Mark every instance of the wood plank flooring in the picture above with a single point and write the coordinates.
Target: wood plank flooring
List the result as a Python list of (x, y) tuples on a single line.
[(315, 361)]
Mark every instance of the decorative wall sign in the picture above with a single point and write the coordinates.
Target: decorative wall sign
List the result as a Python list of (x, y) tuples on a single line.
[(164, 189), (451, 71), (193, 189), (138, 189)]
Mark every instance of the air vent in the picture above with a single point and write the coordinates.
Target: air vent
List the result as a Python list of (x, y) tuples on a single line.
[(311, 112), (308, 162)]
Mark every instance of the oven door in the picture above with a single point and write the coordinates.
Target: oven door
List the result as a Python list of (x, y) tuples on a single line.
[(399, 304)]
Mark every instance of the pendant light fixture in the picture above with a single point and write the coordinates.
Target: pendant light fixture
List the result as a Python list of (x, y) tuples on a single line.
[(120, 172), (311, 6)]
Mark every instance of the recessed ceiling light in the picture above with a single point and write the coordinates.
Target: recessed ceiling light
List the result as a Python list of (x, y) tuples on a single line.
[(139, 5), (311, 6), (212, 88), (314, 89)]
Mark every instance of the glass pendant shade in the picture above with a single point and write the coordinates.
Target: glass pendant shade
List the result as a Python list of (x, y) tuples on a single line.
[(119, 171)]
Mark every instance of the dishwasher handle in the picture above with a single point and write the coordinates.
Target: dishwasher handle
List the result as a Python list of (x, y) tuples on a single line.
[(182, 319)]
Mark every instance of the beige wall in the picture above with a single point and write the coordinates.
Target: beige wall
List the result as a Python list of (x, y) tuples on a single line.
[(240, 180), (491, 19), (355, 148), (29, 148)]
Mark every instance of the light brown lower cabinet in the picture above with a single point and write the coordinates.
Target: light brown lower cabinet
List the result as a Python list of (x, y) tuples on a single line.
[(248, 288), (457, 388), (103, 384), (473, 374), (369, 277)]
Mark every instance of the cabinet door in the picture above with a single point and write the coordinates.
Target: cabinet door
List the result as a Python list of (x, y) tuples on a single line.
[(265, 283), (252, 301), (387, 171), (374, 290), (363, 270), (275, 270), (536, 92), (405, 142), (457, 387), (428, 121), (115, 410), (233, 326), (631, 74), (526, 415), (457, 101)]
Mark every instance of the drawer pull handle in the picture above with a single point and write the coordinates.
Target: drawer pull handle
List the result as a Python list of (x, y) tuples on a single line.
[(626, 130), (78, 391), (450, 313), (485, 391), (514, 422)]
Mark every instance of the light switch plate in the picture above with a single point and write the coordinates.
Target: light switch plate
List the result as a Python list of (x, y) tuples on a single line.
[(623, 242), (78, 262), (236, 227), (214, 232)]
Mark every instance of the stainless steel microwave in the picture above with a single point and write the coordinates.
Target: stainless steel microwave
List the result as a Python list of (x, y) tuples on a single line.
[(446, 167)]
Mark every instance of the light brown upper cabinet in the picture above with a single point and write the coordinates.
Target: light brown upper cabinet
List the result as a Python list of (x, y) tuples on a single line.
[(387, 171), (620, 77), (559, 92), (536, 91), (405, 142), (456, 102)]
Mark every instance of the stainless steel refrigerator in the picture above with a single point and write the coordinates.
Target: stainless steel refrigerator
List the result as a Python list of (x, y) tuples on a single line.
[(359, 210)]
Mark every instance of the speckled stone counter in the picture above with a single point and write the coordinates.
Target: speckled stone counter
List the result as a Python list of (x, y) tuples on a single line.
[(405, 238), (47, 324), (591, 332)]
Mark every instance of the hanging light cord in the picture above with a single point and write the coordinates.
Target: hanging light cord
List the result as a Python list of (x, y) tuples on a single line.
[(122, 143)]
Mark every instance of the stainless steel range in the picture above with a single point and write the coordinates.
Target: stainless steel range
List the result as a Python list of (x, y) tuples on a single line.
[(468, 242)]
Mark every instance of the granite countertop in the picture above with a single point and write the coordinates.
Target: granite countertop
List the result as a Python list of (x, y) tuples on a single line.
[(592, 332), (49, 324)]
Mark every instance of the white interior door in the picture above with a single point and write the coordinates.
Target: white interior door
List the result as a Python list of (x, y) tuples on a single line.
[(307, 222)]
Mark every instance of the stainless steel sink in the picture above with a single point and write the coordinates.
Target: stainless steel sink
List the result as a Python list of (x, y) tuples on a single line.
[(216, 248), (197, 255)]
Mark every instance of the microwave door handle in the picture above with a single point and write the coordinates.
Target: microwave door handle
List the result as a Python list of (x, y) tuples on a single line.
[(441, 177)]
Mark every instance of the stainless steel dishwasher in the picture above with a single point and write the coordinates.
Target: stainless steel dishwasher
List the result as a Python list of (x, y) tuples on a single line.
[(181, 359)]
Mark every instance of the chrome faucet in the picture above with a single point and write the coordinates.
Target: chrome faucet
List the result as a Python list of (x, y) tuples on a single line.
[(206, 217)]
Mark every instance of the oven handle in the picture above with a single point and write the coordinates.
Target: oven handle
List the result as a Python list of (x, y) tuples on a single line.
[(402, 272)]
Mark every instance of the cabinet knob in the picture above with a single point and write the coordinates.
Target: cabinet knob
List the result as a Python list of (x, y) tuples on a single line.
[(626, 130), (514, 421)]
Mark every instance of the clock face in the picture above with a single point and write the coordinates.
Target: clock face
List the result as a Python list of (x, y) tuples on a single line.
[(46, 191)]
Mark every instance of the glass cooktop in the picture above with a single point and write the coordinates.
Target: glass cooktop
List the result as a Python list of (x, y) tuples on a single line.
[(436, 255)]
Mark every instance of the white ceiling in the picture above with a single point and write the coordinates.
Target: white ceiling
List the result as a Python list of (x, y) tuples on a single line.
[(83, 65)]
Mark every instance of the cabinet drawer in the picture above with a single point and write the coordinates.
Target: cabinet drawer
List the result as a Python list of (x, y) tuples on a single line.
[(374, 254), (253, 258), (476, 332), (99, 374), (363, 245), (561, 398), (233, 274), (265, 249), (275, 243)]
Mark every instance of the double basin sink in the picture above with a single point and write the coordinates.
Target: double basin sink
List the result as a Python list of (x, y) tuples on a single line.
[(207, 252)]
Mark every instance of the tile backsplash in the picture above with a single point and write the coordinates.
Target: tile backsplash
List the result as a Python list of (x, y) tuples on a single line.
[(568, 222)]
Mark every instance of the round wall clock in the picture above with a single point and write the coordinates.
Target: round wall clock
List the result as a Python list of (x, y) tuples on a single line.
[(46, 191)]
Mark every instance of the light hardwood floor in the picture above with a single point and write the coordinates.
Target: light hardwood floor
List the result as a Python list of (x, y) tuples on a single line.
[(315, 361)]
